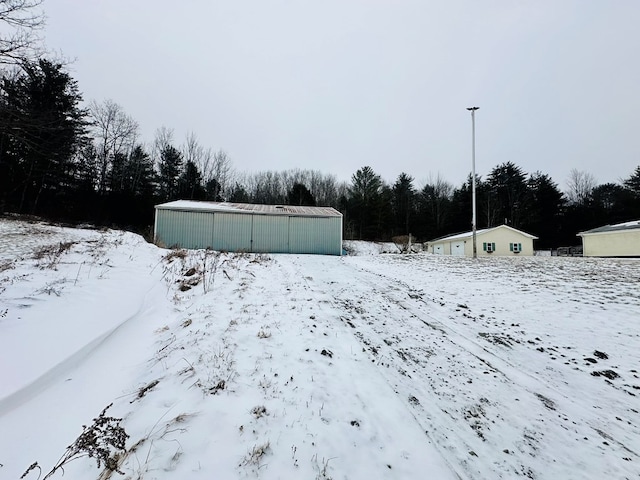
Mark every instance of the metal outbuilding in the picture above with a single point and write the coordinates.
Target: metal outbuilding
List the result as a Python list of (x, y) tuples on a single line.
[(236, 227), (620, 240)]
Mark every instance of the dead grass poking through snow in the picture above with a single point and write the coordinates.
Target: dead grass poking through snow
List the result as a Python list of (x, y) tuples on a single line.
[(254, 456), (51, 254)]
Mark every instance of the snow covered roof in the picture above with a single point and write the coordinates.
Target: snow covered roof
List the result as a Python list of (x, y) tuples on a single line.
[(460, 236), (288, 210), (633, 225)]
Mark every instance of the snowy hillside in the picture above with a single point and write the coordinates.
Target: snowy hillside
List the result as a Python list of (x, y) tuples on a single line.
[(290, 366)]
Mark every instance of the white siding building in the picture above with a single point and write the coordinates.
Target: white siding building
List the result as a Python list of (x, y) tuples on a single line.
[(620, 240), (500, 241)]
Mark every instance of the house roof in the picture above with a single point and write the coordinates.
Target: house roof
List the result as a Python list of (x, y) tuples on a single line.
[(460, 236), (249, 208), (633, 225)]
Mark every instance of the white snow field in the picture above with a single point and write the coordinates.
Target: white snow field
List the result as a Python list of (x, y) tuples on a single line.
[(376, 366)]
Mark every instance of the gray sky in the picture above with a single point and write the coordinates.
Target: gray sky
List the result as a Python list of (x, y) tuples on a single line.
[(334, 85)]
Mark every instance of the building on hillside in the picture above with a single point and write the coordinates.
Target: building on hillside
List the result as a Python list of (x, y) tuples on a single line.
[(500, 241), (240, 227), (620, 240)]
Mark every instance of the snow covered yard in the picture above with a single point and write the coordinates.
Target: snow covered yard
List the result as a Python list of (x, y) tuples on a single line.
[(278, 367)]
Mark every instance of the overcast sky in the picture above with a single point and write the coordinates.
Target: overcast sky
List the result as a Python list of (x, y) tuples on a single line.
[(335, 85)]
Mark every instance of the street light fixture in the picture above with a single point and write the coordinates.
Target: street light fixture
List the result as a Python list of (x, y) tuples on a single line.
[(473, 178)]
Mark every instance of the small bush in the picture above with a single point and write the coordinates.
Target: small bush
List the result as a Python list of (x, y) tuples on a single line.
[(404, 243)]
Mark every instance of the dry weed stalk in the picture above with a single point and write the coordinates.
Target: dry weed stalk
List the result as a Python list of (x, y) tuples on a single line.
[(52, 253), (104, 440)]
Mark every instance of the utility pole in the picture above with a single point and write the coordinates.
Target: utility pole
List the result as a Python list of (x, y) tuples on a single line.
[(473, 178)]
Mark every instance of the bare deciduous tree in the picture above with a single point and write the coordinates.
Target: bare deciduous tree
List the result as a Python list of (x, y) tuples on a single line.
[(24, 20), (580, 186), (215, 168), (193, 152), (273, 187), (163, 138), (115, 133), (221, 171)]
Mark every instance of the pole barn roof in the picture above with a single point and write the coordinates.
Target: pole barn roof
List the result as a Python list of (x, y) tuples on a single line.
[(633, 225), (461, 236), (235, 227), (250, 208)]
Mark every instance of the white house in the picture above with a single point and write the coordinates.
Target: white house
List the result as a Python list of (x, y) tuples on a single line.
[(620, 240), (500, 241)]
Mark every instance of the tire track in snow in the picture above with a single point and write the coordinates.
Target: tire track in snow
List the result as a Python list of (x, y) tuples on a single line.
[(527, 455)]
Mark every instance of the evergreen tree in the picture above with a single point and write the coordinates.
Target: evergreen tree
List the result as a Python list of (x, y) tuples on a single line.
[(364, 202), (404, 204), (239, 194), (435, 209), (117, 174), (612, 203), (41, 130), (546, 207), (190, 183), (300, 195), (213, 190), (383, 211), (141, 174), (507, 201), (461, 206), (633, 183), (170, 169), (86, 168)]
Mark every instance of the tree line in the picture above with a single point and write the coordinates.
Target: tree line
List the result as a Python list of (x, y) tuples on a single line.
[(66, 160), (530, 202)]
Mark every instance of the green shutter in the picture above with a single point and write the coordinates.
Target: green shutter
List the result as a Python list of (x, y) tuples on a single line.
[(511, 247), (484, 246)]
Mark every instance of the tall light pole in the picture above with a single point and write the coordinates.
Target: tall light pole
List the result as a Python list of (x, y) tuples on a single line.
[(473, 178)]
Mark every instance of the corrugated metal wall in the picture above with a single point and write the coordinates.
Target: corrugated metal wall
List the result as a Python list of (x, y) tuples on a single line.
[(235, 232), (317, 235), (270, 234), (231, 232), (184, 228)]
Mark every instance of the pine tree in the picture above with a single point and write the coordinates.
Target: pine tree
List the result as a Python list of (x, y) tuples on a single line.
[(41, 130), (546, 207), (170, 169), (190, 183), (364, 203), (633, 182), (300, 195), (508, 191), (404, 204)]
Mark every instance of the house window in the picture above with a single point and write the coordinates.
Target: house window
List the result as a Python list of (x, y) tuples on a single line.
[(489, 247), (515, 247)]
